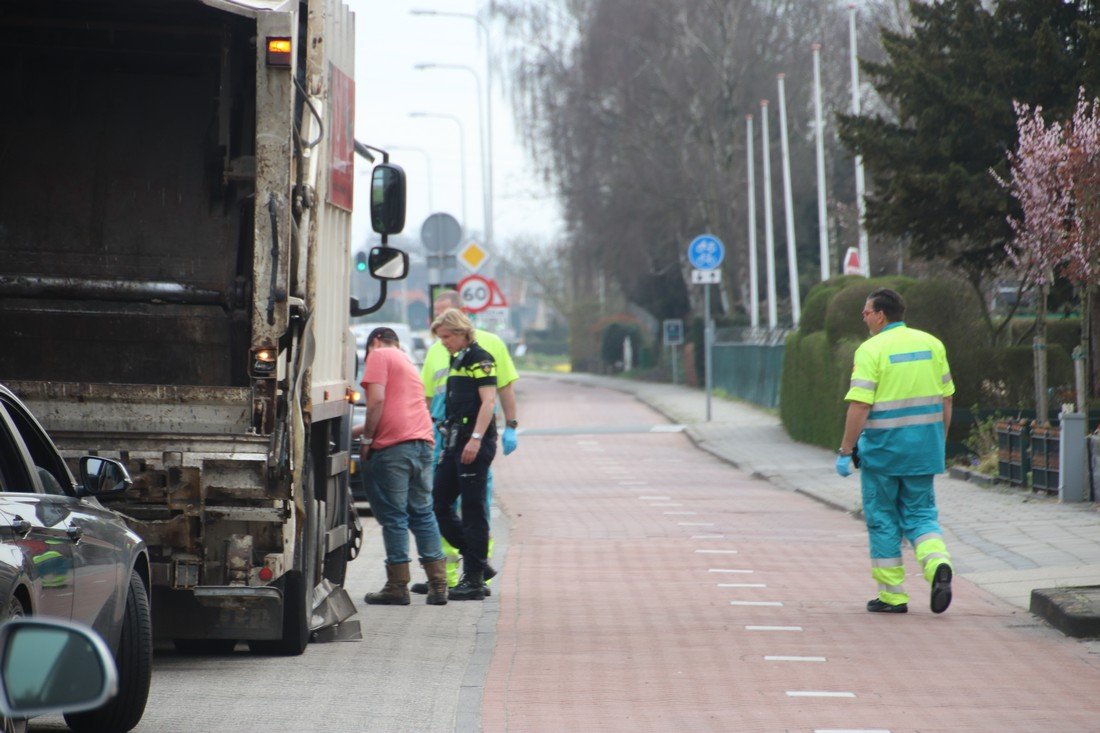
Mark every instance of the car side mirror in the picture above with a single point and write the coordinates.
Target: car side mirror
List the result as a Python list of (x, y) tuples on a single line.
[(387, 199), (52, 667), (388, 263), (101, 476)]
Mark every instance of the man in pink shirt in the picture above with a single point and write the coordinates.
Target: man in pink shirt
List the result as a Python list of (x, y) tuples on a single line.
[(397, 451)]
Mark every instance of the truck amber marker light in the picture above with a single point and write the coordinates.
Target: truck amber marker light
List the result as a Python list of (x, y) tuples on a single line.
[(263, 362), (278, 51)]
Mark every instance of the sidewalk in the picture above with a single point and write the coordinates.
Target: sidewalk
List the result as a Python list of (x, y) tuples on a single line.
[(1006, 540)]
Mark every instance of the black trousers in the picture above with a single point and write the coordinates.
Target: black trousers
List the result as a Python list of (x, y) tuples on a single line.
[(453, 479)]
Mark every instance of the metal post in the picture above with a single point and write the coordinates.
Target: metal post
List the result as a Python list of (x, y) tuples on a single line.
[(754, 274), (674, 365), (861, 203), (461, 155), (819, 143), (788, 207), (769, 227), (708, 338)]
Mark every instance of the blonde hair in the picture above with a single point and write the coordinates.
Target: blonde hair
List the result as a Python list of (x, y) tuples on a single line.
[(455, 321)]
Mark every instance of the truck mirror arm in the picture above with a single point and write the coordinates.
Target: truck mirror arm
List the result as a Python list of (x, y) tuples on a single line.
[(358, 310)]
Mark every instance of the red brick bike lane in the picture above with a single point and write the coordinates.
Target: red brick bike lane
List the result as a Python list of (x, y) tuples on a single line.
[(649, 587)]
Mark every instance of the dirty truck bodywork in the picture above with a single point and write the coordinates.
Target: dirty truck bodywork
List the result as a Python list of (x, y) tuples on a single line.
[(174, 251)]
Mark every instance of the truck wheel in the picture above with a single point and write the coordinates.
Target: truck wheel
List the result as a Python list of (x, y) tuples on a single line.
[(295, 621), (204, 647), (336, 565), (135, 667)]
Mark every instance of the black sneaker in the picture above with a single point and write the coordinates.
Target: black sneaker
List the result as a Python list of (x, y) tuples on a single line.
[(421, 588), (876, 606), (941, 588)]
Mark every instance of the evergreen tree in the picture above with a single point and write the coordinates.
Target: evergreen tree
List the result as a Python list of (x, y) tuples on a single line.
[(951, 84)]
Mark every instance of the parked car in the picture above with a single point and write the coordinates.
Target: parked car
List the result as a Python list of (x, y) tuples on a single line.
[(405, 338), (63, 554), (52, 667)]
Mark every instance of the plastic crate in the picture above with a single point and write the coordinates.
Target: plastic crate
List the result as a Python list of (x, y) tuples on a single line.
[(1045, 442), (1013, 457)]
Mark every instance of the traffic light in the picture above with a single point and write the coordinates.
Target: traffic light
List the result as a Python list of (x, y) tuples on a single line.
[(360, 261)]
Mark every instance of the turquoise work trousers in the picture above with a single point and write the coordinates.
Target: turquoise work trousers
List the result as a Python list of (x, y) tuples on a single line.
[(897, 507)]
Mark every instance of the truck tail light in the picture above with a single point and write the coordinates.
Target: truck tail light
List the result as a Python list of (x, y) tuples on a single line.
[(263, 362), (278, 51)]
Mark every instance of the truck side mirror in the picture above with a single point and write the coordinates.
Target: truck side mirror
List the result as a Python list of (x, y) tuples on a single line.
[(387, 199), (388, 263)]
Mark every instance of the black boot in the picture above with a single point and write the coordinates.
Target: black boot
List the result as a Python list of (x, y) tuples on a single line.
[(470, 588)]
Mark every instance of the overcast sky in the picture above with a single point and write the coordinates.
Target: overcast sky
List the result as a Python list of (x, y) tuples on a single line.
[(390, 40)]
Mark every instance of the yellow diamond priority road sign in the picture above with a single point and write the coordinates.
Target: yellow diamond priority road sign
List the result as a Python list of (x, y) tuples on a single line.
[(473, 256)]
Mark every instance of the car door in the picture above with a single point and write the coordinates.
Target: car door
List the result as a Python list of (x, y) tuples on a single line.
[(38, 532), (99, 551)]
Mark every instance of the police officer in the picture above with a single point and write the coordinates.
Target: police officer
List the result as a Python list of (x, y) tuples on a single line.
[(899, 407), (469, 446)]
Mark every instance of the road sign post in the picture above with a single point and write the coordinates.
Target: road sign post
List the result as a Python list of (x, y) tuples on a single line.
[(673, 336), (706, 253)]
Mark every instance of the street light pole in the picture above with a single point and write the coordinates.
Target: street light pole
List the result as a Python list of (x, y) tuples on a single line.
[(486, 206), (427, 166), (461, 153), (484, 30)]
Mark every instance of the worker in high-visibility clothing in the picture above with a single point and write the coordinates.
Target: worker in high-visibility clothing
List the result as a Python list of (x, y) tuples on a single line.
[(899, 408)]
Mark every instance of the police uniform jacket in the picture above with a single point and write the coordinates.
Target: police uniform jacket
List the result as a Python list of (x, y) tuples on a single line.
[(471, 369)]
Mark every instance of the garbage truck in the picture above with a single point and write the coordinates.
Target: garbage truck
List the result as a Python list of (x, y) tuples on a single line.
[(176, 188)]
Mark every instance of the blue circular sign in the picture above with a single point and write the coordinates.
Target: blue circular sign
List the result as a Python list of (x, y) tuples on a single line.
[(706, 252)]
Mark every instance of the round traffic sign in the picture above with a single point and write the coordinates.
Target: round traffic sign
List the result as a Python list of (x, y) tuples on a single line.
[(440, 234), (476, 293), (706, 252)]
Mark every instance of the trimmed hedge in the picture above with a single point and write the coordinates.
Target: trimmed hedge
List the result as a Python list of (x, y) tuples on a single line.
[(817, 364)]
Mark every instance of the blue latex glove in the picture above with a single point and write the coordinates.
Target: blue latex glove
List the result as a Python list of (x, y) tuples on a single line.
[(844, 466), (509, 441)]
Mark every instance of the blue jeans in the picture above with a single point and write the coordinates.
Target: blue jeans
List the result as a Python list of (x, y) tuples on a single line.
[(399, 483)]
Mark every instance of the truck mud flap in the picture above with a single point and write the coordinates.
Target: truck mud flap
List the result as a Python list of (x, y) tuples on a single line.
[(218, 612), (332, 609)]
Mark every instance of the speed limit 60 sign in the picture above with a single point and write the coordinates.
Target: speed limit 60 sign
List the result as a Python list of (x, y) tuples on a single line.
[(476, 292), (480, 294)]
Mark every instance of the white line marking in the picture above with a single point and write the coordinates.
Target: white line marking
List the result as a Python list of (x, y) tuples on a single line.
[(667, 429), (679, 512), (773, 628), (818, 693), (695, 524), (708, 537), (717, 552), (654, 498), (726, 570), (795, 659), (668, 503), (742, 585), (756, 603)]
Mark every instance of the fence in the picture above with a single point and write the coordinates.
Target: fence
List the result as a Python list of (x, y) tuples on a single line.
[(750, 372)]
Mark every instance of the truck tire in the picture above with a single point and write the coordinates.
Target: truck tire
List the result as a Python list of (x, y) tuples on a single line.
[(295, 621), (297, 583), (135, 667), (336, 565), (204, 647)]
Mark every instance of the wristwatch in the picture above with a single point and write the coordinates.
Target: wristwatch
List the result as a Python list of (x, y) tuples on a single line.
[(368, 441), (475, 436), (840, 452), (513, 423)]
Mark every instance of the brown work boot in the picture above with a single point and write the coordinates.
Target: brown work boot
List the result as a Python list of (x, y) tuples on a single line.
[(396, 590), (437, 581)]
